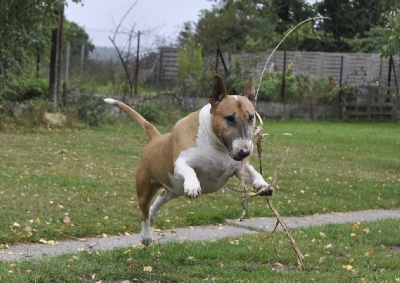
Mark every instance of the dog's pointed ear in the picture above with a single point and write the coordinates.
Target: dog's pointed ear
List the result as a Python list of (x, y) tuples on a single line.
[(249, 91), (218, 90)]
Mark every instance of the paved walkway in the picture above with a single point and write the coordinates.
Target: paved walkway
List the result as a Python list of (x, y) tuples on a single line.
[(232, 228)]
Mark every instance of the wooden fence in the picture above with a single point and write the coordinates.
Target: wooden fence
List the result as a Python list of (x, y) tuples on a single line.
[(345, 68), (371, 102), (376, 77)]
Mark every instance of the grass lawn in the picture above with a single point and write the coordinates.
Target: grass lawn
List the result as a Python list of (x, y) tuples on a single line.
[(366, 252), (71, 184)]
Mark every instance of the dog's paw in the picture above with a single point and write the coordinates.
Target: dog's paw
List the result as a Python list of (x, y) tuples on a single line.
[(264, 189), (192, 189), (147, 241)]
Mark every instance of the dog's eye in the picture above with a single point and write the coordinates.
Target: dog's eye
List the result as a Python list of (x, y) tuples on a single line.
[(251, 118), (230, 119)]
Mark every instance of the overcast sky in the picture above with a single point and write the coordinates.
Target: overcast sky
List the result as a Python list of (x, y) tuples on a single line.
[(164, 18)]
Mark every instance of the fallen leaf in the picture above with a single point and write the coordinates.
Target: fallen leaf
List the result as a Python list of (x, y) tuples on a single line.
[(348, 267), (66, 220), (134, 266)]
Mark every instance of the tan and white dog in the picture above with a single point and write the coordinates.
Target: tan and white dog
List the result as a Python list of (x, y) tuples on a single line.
[(201, 153)]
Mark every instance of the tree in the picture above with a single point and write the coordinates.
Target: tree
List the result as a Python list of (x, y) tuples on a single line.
[(251, 25), (25, 34), (290, 12), (77, 36), (392, 36), (190, 68), (352, 19), (233, 23)]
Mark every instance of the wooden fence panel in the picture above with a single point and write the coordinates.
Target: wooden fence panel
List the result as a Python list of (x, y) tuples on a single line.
[(358, 68)]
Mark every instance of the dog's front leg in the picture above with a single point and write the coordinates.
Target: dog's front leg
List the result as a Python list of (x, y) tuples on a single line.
[(183, 172), (252, 176)]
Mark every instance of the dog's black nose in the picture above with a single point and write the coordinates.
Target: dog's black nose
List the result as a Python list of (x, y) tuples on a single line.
[(243, 153)]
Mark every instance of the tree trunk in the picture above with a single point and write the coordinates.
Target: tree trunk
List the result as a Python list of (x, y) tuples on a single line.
[(55, 56)]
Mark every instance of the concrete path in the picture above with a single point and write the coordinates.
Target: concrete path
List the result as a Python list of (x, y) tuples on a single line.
[(232, 228)]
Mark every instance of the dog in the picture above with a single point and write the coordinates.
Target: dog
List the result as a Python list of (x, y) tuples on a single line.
[(202, 152)]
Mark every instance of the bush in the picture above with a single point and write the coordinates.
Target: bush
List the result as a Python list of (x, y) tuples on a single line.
[(29, 114), (90, 109), (24, 88)]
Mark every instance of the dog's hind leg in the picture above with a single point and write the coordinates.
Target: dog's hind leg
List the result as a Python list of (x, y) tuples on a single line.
[(161, 199), (145, 192)]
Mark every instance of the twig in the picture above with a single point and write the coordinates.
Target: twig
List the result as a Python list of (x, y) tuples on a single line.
[(244, 193), (260, 135), (279, 44), (300, 257)]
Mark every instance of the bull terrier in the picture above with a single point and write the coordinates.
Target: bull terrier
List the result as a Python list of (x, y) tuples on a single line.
[(201, 153)]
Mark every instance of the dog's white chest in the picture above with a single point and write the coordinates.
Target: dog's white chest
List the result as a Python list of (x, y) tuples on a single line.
[(207, 165), (212, 169)]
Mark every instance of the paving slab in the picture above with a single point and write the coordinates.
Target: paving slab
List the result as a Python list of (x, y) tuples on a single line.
[(232, 228), (268, 223)]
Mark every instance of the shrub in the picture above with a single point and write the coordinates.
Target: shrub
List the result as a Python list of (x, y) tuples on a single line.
[(90, 109), (26, 87)]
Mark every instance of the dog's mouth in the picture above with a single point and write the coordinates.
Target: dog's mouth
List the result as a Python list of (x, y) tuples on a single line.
[(238, 155), (235, 157)]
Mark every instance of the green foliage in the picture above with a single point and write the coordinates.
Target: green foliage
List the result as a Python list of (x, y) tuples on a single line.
[(152, 112), (158, 115), (26, 115), (190, 69), (349, 20), (90, 109), (392, 36), (25, 87), (233, 24), (299, 88), (254, 26)]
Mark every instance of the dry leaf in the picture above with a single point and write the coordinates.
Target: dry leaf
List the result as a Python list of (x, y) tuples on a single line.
[(348, 267), (66, 220), (134, 266)]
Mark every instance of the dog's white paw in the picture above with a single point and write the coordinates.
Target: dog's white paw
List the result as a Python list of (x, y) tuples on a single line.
[(192, 188), (264, 187), (146, 234)]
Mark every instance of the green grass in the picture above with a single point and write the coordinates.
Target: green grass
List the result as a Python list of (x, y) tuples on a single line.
[(354, 252), (89, 175)]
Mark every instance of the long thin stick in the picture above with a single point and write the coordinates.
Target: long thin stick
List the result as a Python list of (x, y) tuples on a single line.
[(260, 135), (279, 44)]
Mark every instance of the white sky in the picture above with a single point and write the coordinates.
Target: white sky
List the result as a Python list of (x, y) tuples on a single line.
[(165, 18)]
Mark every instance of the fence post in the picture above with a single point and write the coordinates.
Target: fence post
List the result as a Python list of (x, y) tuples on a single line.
[(283, 78), (137, 65), (82, 57), (341, 71)]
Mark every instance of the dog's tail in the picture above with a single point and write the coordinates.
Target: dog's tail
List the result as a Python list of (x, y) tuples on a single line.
[(150, 130)]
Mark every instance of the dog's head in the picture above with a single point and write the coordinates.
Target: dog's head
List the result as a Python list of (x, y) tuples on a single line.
[(233, 118)]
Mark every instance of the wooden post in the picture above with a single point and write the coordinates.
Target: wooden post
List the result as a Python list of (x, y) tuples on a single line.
[(82, 59), (341, 72), (283, 78), (137, 65), (55, 56)]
